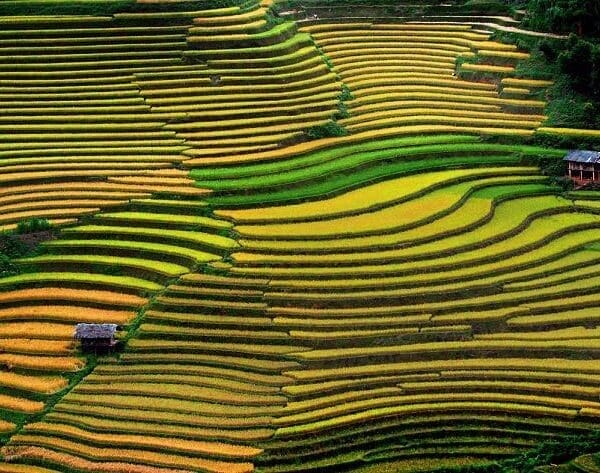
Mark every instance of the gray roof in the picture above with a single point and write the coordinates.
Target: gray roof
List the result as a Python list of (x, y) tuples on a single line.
[(581, 156), (95, 331)]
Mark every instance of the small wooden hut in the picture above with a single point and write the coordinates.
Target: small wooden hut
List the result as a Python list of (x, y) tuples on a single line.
[(583, 167), (96, 337)]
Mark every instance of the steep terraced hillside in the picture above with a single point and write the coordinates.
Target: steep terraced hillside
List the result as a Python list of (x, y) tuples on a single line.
[(446, 310), (413, 294), (95, 119)]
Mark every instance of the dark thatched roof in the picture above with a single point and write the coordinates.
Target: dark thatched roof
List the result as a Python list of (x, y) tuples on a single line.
[(92, 331), (581, 156)]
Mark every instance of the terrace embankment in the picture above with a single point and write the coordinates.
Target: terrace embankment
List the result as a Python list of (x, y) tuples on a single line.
[(413, 292)]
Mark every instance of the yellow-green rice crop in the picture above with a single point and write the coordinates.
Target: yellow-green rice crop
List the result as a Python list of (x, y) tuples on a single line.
[(394, 216), (194, 447), (20, 405), (39, 384), (369, 197), (127, 456)]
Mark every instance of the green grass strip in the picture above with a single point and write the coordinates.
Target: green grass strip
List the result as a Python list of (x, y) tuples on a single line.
[(318, 157), (358, 159), (195, 346), (161, 249), (587, 195), (123, 281), (341, 182), (181, 235), (169, 218), (530, 253), (168, 269), (277, 63), (511, 190)]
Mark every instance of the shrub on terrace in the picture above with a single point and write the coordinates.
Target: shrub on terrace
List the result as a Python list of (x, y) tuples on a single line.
[(549, 49), (563, 182), (33, 225), (550, 165), (342, 111), (7, 267), (11, 246), (327, 130), (273, 20), (346, 94)]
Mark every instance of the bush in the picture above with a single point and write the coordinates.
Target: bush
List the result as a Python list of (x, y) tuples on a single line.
[(342, 111), (11, 246), (581, 61), (33, 225), (565, 16), (548, 49), (564, 183), (272, 20), (590, 112), (63, 8), (327, 130), (346, 94), (550, 166), (576, 61), (7, 268)]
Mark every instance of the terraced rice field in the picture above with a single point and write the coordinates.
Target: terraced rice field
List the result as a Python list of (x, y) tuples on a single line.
[(412, 295), (405, 73)]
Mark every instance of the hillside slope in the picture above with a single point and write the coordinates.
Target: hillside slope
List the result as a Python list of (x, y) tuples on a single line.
[(414, 292)]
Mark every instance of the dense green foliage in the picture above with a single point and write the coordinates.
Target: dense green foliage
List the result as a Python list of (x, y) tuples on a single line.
[(10, 247), (395, 8), (326, 130), (565, 16), (7, 268), (33, 225), (552, 452), (580, 59), (568, 104), (13, 246), (574, 64), (486, 6)]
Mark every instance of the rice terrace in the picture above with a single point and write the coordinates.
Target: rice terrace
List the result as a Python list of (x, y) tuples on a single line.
[(279, 236)]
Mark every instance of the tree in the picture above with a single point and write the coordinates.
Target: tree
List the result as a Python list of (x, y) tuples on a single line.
[(576, 61), (565, 16)]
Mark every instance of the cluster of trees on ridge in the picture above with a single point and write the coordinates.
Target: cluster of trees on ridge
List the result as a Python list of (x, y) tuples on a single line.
[(17, 244), (565, 16), (578, 58)]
